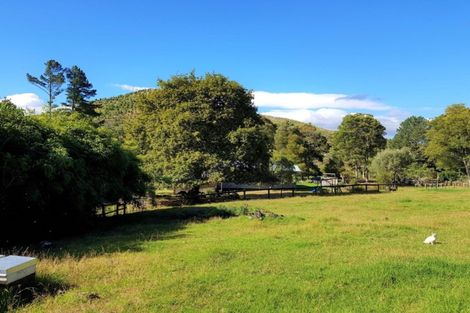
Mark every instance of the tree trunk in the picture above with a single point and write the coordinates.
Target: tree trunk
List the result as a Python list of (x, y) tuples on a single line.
[(50, 99)]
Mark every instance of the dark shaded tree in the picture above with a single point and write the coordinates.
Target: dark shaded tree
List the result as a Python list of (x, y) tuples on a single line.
[(55, 170), (79, 91)]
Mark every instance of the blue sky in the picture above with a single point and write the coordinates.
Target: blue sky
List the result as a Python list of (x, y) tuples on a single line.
[(309, 60)]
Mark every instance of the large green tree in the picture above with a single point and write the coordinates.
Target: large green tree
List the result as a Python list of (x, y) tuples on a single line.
[(194, 130), (50, 81), (412, 134), (449, 139), (79, 91), (357, 141)]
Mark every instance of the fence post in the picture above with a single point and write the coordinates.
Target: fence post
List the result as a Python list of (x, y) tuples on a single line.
[(293, 192), (103, 210), (244, 194), (124, 208), (269, 193), (281, 192), (117, 208)]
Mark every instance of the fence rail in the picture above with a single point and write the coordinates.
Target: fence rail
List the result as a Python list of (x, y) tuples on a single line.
[(245, 192), (437, 184), (319, 190)]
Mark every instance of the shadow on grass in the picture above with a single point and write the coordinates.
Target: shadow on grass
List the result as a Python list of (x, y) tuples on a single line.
[(130, 232), (26, 291), (114, 234)]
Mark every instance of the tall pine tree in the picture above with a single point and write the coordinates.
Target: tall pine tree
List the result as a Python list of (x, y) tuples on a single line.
[(79, 90), (50, 81)]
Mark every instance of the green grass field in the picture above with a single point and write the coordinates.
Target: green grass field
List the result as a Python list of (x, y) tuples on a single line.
[(355, 253)]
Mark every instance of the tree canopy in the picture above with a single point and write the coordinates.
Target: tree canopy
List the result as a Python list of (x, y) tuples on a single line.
[(50, 81), (390, 165), (79, 90), (357, 141), (449, 139), (303, 146), (412, 134), (194, 130)]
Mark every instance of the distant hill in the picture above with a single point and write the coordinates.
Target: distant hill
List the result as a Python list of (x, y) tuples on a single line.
[(115, 110), (278, 120)]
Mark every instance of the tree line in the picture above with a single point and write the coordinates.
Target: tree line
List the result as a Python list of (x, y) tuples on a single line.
[(191, 131), (421, 150)]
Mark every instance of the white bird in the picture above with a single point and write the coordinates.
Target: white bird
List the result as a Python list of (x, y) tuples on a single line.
[(431, 239)]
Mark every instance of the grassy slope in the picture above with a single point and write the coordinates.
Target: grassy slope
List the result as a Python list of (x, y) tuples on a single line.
[(360, 253)]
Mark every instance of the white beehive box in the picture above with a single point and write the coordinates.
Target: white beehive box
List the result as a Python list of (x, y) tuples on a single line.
[(13, 268)]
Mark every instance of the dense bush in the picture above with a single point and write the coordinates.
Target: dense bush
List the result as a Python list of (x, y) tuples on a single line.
[(55, 170), (390, 165)]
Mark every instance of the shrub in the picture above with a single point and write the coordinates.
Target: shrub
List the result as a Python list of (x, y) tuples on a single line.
[(55, 171)]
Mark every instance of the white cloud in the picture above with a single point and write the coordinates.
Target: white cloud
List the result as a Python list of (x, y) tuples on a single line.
[(326, 110), (130, 88), (331, 118), (303, 100), (27, 101), (391, 120), (324, 118)]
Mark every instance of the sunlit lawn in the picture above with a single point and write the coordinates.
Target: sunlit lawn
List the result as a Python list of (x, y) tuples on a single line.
[(355, 253)]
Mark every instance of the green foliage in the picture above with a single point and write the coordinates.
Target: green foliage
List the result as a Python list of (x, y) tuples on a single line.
[(115, 112), (283, 169), (303, 146), (421, 172), (316, 146), (449, 139), (333, 164), (194, 130), (57, 169), (50, 81), (390, 165), (252, 147), (289, 144), (412, 134), (79, 90), (357, 141)]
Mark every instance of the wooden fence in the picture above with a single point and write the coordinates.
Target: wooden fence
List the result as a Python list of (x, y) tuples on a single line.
[(116, 209), (245, 192), (438, 184), (122, 207), (290, 190)]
